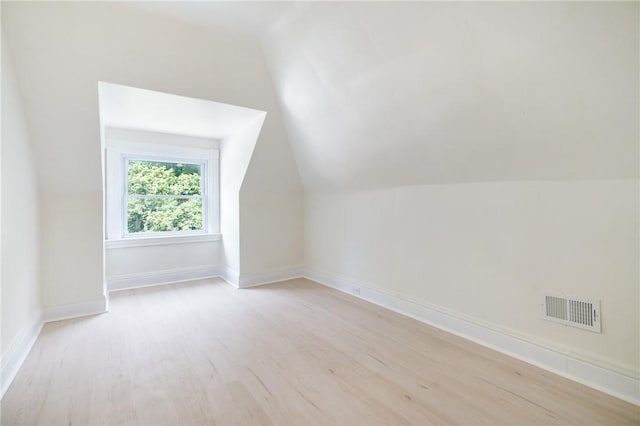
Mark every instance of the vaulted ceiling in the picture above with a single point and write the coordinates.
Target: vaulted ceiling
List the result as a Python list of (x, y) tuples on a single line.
[(386, 93), (372, 94), (61, 51)]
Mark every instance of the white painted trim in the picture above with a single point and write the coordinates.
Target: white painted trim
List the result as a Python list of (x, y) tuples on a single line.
[(161, 241), (230, 275), (605, 380), (254, 280), (151, 137), (166, 276), (74, 310), (17, 352), (118, 151)]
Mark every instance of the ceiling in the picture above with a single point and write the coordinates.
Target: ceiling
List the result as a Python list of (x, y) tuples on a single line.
[(372, 94), (385, 94), (132, 108), (238, 17), (61, 50)]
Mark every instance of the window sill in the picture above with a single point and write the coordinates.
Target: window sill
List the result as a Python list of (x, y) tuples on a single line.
[(161, 240)]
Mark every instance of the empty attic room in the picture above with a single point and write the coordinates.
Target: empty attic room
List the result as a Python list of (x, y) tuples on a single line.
[(320, 213)]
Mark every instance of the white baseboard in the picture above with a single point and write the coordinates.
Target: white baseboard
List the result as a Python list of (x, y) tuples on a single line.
[(17, 352), (254, 280), (74, 310), (230, 275), (167, 276), (602, 379)]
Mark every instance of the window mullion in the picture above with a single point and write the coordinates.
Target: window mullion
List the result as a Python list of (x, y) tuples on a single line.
[(163, 197)]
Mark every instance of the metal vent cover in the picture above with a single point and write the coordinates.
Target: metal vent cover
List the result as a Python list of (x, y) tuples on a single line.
[(573, 311)]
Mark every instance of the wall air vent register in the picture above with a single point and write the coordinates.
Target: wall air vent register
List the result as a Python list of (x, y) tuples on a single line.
[(573, 311)]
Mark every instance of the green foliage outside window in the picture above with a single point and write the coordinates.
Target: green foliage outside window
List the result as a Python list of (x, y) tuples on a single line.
[(155, 212)]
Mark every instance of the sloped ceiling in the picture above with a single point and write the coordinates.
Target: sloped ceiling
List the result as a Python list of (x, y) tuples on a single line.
[(132, 108), (373, 94), (233, 17), (390, 93), (63, 49)]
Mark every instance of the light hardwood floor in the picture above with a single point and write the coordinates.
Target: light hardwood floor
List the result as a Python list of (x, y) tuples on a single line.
[(289, 353)]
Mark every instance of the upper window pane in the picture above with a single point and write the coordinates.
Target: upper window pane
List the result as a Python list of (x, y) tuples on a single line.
[(161, 178)]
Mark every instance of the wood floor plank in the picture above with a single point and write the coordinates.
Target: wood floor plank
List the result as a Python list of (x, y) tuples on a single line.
[(292, 353)]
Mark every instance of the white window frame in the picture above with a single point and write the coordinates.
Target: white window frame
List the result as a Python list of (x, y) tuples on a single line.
[(118, 154)]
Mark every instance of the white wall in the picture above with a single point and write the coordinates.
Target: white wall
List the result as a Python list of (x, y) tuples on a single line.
[(483, 251), (271, 205), (148, 265), (20, 317), (235, 156), (271, 236), (72, 258)]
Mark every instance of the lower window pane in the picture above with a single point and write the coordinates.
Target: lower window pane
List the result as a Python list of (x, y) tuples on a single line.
[(160, 215)]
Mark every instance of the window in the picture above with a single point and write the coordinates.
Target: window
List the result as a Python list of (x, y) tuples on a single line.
[(164, 197), (161, 190)]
